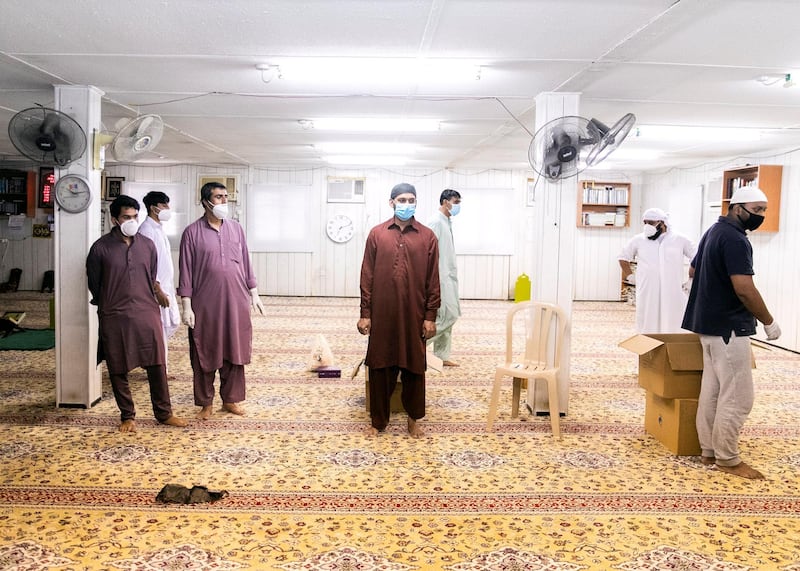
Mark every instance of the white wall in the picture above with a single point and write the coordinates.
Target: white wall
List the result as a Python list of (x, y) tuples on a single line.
[(331, 269)]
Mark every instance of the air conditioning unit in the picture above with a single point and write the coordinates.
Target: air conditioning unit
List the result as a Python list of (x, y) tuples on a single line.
[(345, 189)]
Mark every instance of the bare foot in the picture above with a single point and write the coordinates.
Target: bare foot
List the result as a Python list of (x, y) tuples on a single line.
[(742, 470), (450, 364), (233, 408), (708, 460), (175, 421), (372, 432), (127, 426), (414, 430), (205, 412)]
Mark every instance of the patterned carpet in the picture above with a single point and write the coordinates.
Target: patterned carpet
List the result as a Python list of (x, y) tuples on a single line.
[(309, 492)]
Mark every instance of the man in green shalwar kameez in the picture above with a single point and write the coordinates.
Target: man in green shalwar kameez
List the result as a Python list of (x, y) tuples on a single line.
[(450, 309)]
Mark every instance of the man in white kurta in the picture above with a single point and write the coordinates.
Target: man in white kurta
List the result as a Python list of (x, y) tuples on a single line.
[(450, 309), (660, 255), (158, 211)]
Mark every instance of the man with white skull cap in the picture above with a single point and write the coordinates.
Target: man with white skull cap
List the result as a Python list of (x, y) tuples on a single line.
[(723, 307), (660, 254)]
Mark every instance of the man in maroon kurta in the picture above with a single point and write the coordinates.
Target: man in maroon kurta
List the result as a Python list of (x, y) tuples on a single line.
[(399, 301), (217, 286), (121, 270)]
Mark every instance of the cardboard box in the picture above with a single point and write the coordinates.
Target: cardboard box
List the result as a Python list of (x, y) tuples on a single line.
[(672, 422), (670, 364)]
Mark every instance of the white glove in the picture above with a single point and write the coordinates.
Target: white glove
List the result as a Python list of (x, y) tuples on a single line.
[(187, 315), (687, 286), (255, 301), (773, 330)]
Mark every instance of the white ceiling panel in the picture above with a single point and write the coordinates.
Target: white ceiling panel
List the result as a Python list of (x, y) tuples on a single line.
[(691, 62)]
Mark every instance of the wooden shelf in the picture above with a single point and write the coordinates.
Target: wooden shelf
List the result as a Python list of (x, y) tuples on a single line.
[(766, 177), (15, 191), (604, 204)]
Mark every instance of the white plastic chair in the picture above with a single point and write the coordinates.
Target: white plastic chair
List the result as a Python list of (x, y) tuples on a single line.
[(545, 325)]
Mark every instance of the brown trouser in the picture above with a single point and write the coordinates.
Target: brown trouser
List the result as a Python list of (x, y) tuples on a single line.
[(231, 380), (159, 393), (381, 386)]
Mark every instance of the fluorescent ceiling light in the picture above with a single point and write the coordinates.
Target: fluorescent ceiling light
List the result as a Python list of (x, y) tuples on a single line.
[(374, 70), (380, 160), (695, 134), (362, 124), (368, 148)]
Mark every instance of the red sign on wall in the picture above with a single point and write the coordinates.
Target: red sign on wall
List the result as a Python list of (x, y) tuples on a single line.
[(47, 179)]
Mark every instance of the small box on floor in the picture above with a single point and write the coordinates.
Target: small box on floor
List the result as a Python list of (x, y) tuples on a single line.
[(672, 422), (328, 372)]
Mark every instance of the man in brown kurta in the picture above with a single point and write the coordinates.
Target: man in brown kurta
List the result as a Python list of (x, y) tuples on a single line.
[(217, 286), (399, 301), (121, 271)]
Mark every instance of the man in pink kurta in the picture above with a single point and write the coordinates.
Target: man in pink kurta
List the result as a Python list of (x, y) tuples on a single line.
[(399, 301), (121, 271), (217, 286)]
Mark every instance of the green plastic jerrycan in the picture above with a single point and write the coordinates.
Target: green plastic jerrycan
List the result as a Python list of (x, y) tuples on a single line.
[(522, 289)]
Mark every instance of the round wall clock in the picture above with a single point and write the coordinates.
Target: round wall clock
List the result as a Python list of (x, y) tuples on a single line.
[(73, 193), (340, 228)]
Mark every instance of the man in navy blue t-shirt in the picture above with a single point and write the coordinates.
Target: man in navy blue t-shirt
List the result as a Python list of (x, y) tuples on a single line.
[(723, 307)]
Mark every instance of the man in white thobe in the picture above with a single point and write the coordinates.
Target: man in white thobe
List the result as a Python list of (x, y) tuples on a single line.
[(157, 205), (450, 309), (660, 255)]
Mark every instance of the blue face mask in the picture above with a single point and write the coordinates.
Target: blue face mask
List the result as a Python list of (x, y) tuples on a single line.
[(456, 209), (404, 211)]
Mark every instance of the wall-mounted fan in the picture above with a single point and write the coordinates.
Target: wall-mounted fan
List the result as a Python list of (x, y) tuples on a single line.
[(133, 139), (47, 136), (563, 147)]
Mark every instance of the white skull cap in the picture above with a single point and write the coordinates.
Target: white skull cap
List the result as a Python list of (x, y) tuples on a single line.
[(655, 214), (748, 194)]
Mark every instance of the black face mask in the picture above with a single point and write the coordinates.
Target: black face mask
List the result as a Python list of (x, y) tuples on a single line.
[(752, 222), (659, 231)]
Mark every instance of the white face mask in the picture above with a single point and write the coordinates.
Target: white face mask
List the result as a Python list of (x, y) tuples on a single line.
[(129, 228), (219, 210), (650, 230), (164, 215)]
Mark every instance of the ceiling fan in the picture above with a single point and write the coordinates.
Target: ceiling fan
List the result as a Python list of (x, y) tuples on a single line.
[(47, 136), (565, 146), (133, 139)]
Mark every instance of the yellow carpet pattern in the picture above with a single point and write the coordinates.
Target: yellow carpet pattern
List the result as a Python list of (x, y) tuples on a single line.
[(308, 491)]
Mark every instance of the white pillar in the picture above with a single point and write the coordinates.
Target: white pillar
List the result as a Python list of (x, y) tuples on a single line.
[(78, 378), (557, 246)]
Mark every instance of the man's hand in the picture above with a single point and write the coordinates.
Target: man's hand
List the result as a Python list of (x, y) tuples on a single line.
[(687, 286), (161, 297), (187, 315), (364, 325), (428, 329), (255, 301), (772, 330)]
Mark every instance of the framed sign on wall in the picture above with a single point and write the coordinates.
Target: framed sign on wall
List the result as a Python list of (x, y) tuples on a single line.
[(112, 187), (230, 181), (47, 179)]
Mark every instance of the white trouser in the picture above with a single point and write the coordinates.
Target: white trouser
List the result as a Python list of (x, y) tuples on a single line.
[(726, 397)]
